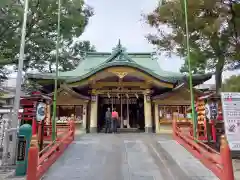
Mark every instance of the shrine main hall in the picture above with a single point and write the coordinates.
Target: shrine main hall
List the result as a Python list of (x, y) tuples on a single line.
[(145, 95)]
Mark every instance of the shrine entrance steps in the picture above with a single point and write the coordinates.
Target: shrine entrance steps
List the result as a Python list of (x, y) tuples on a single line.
[(125, 130), (127, 156)]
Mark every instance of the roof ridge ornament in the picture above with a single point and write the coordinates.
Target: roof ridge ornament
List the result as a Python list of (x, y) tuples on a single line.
[(119, 54), (119, 43), (119, 47)]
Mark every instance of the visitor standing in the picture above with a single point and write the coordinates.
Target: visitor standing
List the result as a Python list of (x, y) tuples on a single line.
[(108, 117), (115, 118)]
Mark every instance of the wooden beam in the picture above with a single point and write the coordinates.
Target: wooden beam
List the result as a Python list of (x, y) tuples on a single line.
[(118, 91), (99, 85), (122, 72)]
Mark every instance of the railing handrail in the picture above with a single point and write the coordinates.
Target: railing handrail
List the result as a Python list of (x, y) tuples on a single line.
[(200, 143), (202, 150), (219, 163), (39, 162), (54, 146)]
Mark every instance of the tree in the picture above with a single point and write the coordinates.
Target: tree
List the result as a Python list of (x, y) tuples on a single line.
[(41, 29), (232, 84), (198, 64), (213, 41), (70, 56), (29, 86), (3, 71)]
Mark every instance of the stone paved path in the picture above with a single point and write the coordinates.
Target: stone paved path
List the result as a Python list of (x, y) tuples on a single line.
[(124, 157), (236, 167), (189, 164)]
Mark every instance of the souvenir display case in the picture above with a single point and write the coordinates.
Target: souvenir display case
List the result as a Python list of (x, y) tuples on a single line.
[(166, 114), (66, 113)]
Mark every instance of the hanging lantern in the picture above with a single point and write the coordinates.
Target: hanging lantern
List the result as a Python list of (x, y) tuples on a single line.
[(148, 98), (93, 98)]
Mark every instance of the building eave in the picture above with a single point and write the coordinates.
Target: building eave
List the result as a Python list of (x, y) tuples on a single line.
[(176, 89), (64, 87), (197, 78)]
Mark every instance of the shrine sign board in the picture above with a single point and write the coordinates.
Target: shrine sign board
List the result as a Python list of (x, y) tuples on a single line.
[(231, 115), (21, 149)]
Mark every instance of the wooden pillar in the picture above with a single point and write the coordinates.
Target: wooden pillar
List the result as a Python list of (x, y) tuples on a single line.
[(112, 103), (157, 125), (121, 104), (128, 125), (147, 111), (84, 123), (94, 113)]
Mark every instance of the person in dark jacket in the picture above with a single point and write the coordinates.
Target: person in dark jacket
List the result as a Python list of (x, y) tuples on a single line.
[(108, 119)]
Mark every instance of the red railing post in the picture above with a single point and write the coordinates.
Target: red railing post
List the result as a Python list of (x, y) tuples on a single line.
[(72, 128), (32, 163), (213, 131), (174, 127), (225, 152)]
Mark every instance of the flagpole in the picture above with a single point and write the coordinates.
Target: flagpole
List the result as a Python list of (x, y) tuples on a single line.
[(189, 69), (14, 122), (56, 75)]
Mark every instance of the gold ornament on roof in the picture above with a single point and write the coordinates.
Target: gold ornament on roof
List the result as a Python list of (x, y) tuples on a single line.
[(121, 74)]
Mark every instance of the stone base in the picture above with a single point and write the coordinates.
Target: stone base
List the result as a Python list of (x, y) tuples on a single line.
[(148, 130), (93, 129), (165, 129)]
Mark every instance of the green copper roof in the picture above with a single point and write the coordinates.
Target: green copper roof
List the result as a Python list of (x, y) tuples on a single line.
[(96, 61)]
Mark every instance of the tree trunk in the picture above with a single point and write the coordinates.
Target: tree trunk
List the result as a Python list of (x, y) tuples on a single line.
[(50, 67), (218, 75)]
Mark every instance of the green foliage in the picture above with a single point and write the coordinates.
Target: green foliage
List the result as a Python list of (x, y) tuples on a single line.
[(3, 71), (29, 86), (198, 63), (214, 43), (232, 84), (41, 29), (71, 55)]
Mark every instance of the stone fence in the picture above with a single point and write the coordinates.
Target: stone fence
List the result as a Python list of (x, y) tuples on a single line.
[(6, 135)]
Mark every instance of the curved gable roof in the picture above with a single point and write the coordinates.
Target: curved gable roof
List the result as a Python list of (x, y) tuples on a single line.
[(95, 62), (127, 64)]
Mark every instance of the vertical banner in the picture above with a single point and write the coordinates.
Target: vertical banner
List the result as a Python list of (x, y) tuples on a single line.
[(231, 115)]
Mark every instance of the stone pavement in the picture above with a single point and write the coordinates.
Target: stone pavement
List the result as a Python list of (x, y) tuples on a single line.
[(236, 167), (189, 164), (9, 173), (127, 157)]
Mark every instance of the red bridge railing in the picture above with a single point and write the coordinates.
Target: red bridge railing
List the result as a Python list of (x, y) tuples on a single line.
[(39, 162), (60, 130), (219, 163)]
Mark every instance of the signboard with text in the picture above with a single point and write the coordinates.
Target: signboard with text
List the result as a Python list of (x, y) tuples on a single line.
[(21, 149), (231, 114)]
